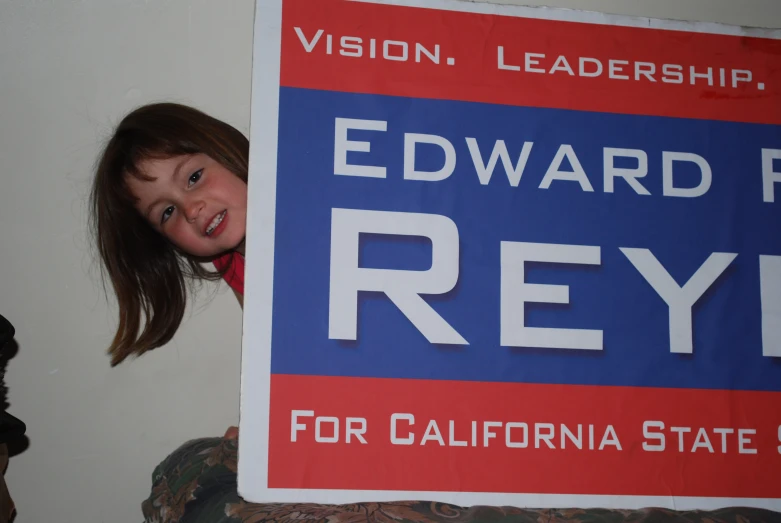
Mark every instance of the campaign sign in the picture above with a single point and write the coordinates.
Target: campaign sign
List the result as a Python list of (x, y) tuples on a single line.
[(517, 256)]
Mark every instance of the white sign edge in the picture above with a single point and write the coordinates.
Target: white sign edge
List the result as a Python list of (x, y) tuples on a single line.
[(588, 17), (259, 278)]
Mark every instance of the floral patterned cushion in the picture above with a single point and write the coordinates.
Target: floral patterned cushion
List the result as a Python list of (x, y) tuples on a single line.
[(197, 484)]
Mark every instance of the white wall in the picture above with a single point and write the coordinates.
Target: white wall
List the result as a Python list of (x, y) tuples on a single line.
[(68, 71)]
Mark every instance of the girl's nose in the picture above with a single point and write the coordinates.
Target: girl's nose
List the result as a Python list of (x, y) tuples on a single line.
[(193, 209)]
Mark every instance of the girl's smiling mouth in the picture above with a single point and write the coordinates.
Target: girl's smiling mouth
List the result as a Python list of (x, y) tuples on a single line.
[(215, 225)]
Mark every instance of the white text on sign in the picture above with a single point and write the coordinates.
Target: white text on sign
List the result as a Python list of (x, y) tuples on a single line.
[(404, 288)]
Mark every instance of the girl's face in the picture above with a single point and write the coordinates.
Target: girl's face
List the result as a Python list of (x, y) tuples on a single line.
[(195, 202)]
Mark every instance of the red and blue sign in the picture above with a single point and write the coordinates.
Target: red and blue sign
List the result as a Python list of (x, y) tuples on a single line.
[(512, 256)]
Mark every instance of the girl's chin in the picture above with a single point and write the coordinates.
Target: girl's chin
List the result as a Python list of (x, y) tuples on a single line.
[(240, 247), (204, 251), (216, 246)]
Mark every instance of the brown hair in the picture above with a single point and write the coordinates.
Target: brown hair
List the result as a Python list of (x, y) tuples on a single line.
[(148, 274)]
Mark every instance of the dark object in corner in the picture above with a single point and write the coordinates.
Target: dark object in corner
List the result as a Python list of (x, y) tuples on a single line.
[(11, 428)]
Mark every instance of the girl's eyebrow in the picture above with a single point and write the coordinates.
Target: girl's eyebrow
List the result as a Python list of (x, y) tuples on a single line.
[(175, 176), (151, 206), (179, 165)]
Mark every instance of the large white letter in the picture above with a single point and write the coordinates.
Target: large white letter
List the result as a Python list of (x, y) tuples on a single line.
[(577, 174), (484, 172), (308, 46), (501, 64), (402, 287), (740, 75), (342, 145), (630, 175), (770, 291), (515, 293), (659, 436), (295, 426), (582, 70), (351, 46), (679, 299), (769, 176), (669, 188), (410, 141), (409, 440)]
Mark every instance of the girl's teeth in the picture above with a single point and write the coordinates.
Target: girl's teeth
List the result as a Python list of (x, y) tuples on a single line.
[(215, 222)]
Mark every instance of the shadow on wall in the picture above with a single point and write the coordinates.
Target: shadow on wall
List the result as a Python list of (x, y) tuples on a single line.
[(12, 429)]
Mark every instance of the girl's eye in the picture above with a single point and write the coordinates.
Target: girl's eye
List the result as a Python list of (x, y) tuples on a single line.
[(194, 177), (167, 214)]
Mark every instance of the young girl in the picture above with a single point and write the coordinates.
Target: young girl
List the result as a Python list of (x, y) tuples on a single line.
[(169, 195)]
